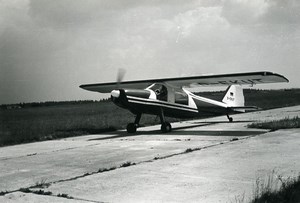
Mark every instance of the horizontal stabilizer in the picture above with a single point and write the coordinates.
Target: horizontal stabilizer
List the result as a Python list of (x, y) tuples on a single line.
[(244, 108)]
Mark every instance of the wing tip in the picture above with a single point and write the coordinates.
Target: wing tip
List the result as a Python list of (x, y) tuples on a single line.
[(281, 76)]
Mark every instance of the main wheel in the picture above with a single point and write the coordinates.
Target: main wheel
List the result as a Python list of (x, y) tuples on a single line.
[(131, 128), (230, 119), (166, 127)]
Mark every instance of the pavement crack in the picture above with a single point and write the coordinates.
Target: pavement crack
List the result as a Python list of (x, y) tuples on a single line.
[(35, 154), (128, 163), (37, 188), (36, 191)]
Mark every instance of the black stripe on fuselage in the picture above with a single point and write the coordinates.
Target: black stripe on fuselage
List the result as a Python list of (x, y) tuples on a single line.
[(160, 103)]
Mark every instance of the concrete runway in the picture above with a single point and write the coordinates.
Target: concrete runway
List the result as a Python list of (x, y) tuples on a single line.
[(207, 160)]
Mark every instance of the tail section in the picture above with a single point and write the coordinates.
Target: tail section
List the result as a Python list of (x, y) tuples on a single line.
[(234, 96)]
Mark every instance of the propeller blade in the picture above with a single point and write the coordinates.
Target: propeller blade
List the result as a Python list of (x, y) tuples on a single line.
[(121, 73)]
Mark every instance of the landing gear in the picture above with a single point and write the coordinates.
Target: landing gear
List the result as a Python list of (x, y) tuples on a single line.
[(131, 127), (165, 126), (229, 118)]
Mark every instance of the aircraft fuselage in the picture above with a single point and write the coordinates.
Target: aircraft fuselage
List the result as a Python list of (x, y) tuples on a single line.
[(182, 104)]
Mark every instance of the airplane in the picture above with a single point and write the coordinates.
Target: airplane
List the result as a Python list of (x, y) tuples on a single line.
[(170, 97)]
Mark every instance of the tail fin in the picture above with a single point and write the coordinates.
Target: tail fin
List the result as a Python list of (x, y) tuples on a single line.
[(234, 96)]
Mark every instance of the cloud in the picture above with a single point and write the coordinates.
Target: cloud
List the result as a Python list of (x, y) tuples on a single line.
[(282, 12), (75, 13), (243, 12), (48, 48)]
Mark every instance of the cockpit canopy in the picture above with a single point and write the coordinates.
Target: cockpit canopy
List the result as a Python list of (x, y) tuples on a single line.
[(169, 94)]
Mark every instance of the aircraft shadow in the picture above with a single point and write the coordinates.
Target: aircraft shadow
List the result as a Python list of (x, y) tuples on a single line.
[(217, 122), (233, 133), (117, 135), (184, 131)]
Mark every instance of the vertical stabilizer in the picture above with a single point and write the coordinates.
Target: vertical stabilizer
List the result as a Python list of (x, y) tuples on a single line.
[(234, 96)]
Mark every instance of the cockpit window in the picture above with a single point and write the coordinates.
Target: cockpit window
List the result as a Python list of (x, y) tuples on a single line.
[(161, 92), (181, 98)]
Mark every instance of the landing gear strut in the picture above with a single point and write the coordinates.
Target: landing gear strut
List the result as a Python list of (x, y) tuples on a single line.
[(165, 126), (229, 118), (131, 127)]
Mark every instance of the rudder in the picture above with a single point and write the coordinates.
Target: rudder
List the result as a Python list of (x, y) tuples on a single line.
[(234, 96)]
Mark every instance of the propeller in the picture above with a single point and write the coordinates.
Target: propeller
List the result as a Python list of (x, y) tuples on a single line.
[(120, 76), (117, 92)]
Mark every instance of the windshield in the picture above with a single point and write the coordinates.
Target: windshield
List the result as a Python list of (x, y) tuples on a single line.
[(161, 91)]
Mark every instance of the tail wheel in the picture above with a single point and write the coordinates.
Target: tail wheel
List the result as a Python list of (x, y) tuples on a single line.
[(131, 128), (229, 118), (166, 127)]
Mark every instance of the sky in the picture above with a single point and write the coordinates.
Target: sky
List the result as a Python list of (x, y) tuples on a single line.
[(50, 47)]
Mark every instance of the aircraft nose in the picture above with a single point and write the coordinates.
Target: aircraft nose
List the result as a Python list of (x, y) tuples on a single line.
[(115, 93)]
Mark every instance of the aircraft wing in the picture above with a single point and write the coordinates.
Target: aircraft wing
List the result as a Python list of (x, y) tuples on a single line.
[(251, 78), (108, 87)]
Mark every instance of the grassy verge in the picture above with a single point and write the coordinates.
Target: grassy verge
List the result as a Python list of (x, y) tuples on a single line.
[(285, 123), (288, 192), (31, 124)]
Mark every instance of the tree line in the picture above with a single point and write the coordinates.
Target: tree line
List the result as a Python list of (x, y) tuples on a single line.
[(49, 103)]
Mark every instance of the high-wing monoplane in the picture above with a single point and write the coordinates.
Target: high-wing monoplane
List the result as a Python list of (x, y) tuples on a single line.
[(170, 97)]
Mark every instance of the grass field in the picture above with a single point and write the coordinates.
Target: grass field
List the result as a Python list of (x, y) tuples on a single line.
[(51, 122), (42, 122), (285, 123), (288, 190)]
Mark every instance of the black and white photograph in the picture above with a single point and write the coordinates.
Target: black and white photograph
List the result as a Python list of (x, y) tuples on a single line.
[(150, 101)]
